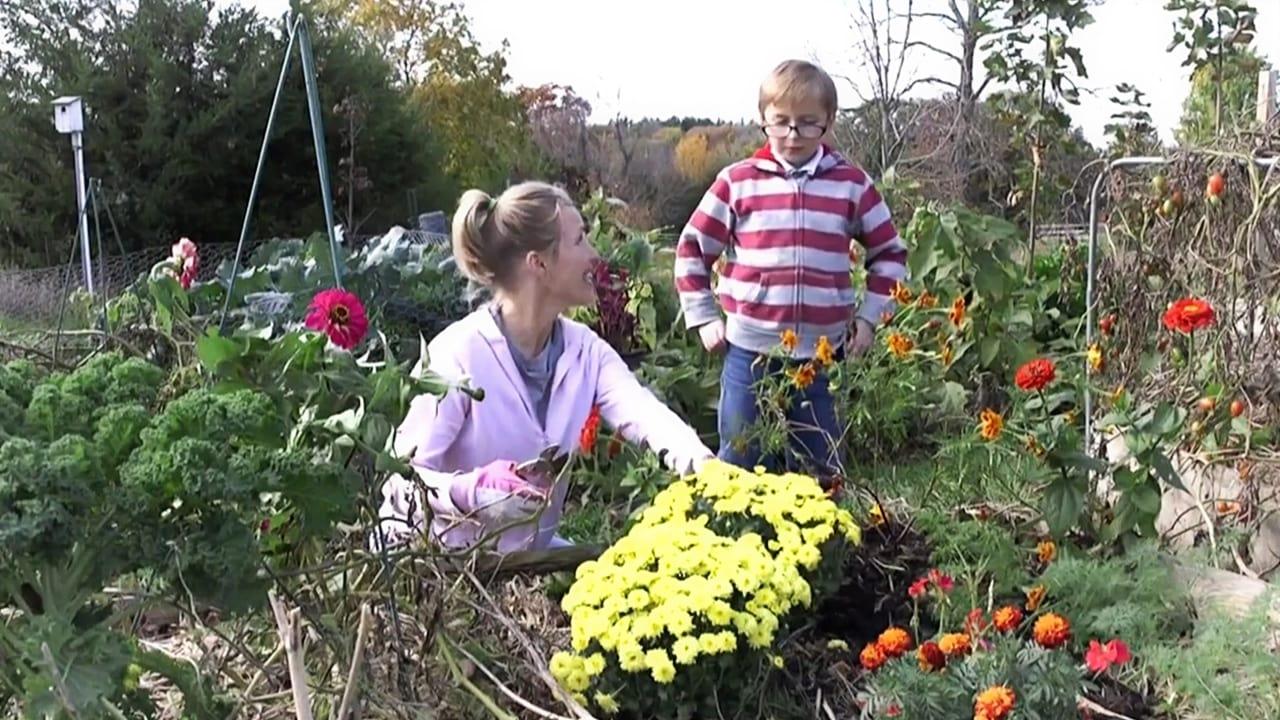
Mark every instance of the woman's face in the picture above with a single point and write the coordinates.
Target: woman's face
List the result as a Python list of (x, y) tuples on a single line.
[(568, 274)]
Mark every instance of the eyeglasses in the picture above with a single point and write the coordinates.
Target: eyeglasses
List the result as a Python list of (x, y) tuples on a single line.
[(808, 131)]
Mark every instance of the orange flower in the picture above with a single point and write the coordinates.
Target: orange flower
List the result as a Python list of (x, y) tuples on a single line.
[(1035, 374), (894, 642), (955, 644), (1033, 446), (590, 430), (789, 340), (990, 425), (901, 294), (1035, 596), (931, 657), (1007, 618), (803, 376), (615, 446), (900, 345), (1094, 358), (824, 354), (1188, 315), (1051, 630), (927, 300), (975, 622), (1046, 551), (994, 703), (947, 355), (872, 657), (957, 311)]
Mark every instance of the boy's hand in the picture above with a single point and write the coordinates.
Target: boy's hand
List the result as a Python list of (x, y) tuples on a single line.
[(861, 338), (712, 335)]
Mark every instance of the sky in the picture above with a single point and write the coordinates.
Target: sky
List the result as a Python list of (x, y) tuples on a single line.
[(705, 58)]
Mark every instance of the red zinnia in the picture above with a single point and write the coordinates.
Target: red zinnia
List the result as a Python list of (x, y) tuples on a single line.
[(340, 315), (590, 429), (1035, 374), (1188, 315), (1101, 656), (187, 258)]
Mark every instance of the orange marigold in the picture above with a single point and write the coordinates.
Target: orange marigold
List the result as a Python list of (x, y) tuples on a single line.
[(1035, 596), (927, 300), (789, 340), (901, 294), (899, 344), (804, 375), (955, 644), (957, 312), (872, 657), (931, 657), (1051, 630), (994, 703), (1007, 618), (1035, 374), (894, 642)]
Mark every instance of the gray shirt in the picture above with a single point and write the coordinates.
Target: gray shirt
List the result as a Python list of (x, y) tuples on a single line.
[(537, 371)]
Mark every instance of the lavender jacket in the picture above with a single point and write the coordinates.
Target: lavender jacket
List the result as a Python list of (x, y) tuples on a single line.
[(450, 437)]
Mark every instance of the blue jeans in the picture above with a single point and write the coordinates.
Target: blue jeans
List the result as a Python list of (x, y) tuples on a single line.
[(811, 418)]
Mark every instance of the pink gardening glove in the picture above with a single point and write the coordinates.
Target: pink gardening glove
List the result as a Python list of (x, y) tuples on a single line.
[(499, 496)]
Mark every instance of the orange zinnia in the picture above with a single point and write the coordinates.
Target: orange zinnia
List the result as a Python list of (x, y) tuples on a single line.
[(872, 657), (789, 340), (1094, 357), (1188, 315), (1035, 596), (990, 424), (954, 644), (1046, 551), (927, 300), (901, 294), (590, 430), (824, 354), (1007, 618), (994, 703), (957, 312), (1035, 374), (1051, 630), (931, 657), (804, 375), (900, 345), (894, 642)]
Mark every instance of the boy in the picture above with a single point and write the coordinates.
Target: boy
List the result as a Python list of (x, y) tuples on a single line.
[(783, 220)]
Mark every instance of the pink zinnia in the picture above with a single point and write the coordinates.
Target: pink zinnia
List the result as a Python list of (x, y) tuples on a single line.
[(340, 315), (187, 256)]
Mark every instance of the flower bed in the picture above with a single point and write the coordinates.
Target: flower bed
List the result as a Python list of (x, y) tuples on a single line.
[(692, 599)]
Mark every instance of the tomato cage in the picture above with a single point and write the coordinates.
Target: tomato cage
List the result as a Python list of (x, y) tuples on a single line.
[(1237, 164)]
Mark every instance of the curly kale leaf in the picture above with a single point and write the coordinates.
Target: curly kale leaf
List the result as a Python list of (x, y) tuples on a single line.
[(17, 378), (49, 494), (54, 412), (133, 381), (234, 419), (118, 432)]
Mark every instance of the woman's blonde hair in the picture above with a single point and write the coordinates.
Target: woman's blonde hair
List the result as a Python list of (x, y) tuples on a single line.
[(491, 235)]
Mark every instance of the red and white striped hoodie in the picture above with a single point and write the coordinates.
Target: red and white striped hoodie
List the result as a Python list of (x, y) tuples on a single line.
[(784, 234)]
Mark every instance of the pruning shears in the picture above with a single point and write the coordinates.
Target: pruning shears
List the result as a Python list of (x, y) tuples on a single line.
[(549, 464)]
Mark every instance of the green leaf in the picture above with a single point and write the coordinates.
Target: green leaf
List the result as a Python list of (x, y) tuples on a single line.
[(377, 431), (954, 397), (1164, 468), (1084, 462), (213, 350), (1062, 505), (1165, 420), (1146, 498), (988, 348)]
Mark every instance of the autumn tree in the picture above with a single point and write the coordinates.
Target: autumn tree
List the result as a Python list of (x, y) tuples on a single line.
[(460, 89)]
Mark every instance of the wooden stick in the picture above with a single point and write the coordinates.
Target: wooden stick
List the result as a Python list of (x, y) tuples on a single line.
[(357, 658), (1094, 707), (289, 625)]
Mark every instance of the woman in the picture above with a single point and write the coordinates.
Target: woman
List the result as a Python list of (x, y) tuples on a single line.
[(541, 375)]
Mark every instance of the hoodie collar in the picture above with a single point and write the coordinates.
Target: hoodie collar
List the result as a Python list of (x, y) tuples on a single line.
[(765, 160)]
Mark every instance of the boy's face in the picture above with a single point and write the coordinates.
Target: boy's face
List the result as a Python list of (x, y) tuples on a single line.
[(796, 144)]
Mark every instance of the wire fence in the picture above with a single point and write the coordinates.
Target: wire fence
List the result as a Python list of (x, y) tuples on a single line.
[(39, 297)]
